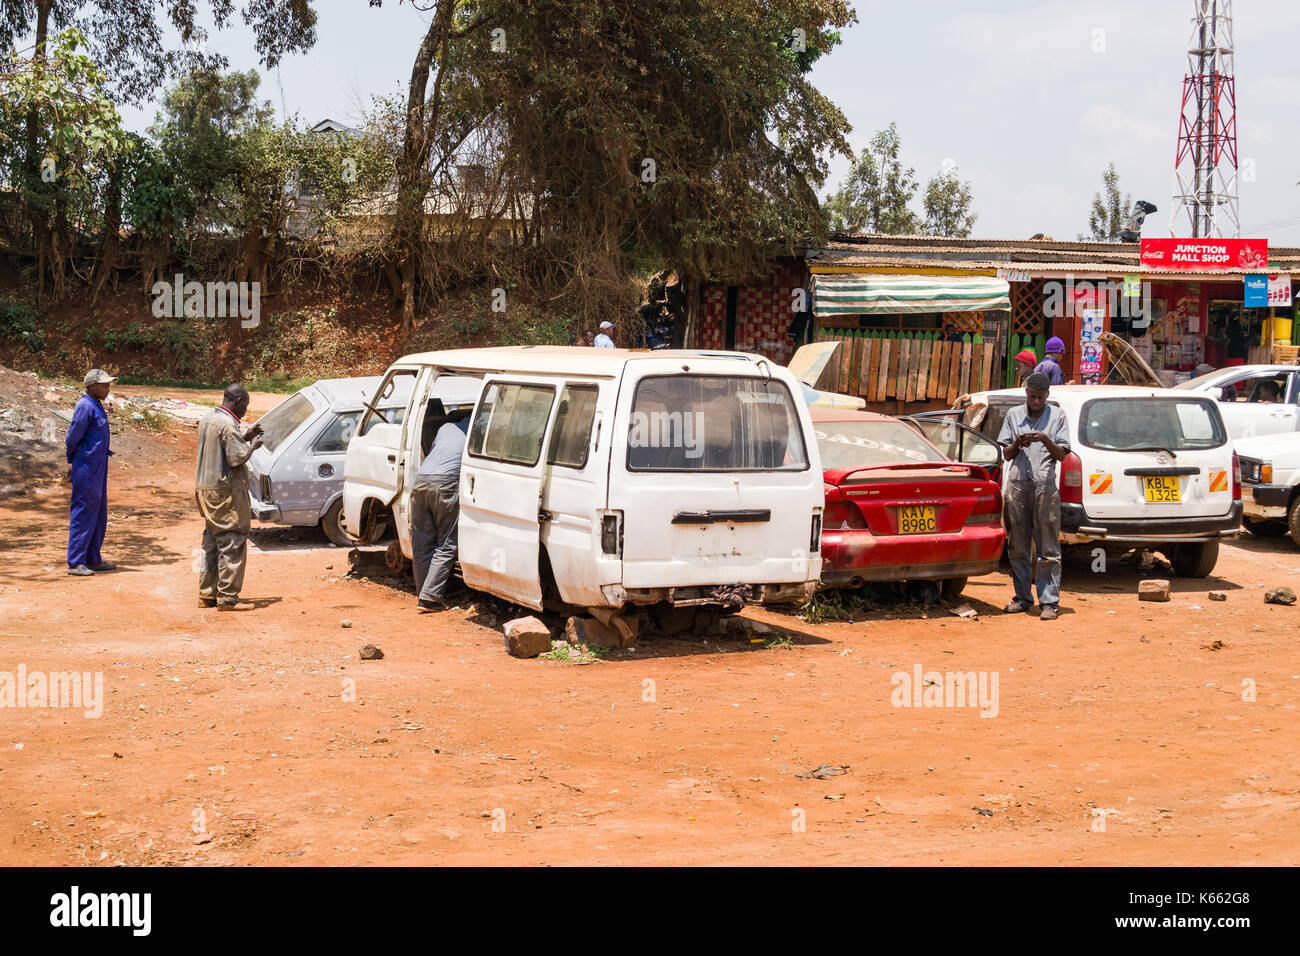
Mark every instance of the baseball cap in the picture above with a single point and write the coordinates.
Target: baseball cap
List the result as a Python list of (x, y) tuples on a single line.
[(607, 325), (97, 376), (1027, 356), (1054, 344)]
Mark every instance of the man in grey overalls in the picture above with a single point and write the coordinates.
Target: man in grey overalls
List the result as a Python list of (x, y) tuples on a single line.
[(435, 510), (1035, 438)]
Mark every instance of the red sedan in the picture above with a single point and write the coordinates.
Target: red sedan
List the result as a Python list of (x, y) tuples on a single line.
[(897, 509)]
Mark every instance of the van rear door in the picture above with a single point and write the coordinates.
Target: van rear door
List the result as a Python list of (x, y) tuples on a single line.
[(1154, 457), (501, 487), (716, 478)]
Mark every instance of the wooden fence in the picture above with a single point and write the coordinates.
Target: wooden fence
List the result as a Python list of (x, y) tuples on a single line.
[(881, 367)]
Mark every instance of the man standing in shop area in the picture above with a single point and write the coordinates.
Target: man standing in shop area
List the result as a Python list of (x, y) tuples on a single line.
[(1035, 438), (1026, 361), (1051, 366), (221, 491), (605, 339)]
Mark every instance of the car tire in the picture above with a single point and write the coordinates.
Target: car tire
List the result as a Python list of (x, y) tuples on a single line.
[(329, 523), (1269, 527), (952, 587), (1195, 560), (1293, 520)]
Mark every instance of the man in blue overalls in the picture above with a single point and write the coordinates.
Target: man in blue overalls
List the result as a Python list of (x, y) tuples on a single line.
[(87, 448)]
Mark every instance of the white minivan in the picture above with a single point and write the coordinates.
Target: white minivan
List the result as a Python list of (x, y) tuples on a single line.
[(604, 477), (1149, 468)]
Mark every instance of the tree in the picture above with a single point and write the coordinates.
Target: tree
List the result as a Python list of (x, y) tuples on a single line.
[(875, 195), (947, 206), (1109, 212), (684, 131), (72, 134), (125, 42)]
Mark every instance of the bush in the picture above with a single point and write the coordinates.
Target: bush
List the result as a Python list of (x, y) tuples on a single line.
[(18, 321), (136, 337), (110, 340)]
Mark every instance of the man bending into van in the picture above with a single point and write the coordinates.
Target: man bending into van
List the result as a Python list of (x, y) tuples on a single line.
[(435, 507), (1035, 438)]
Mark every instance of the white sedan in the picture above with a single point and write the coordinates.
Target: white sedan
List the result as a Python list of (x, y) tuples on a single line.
[(1253, 399)]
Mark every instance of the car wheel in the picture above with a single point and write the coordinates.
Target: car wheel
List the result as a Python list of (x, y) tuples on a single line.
[(397, 562), (1195, 560), (329, 523), (1293, 521), (952, 587), (1268, 527)]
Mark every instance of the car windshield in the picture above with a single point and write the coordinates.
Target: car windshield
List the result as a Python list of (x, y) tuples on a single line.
[(714, 423), (1195, 383), (850, 444), (1133, 424), (283, 420)]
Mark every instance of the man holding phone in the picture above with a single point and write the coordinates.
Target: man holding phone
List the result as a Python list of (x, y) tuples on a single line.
[(1034, 438), (221, 491)]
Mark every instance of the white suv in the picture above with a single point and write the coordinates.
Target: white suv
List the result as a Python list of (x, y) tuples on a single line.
[(1148, 468), (1270, 481)]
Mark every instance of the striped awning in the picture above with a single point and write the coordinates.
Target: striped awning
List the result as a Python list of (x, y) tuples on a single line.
[(877, 294)]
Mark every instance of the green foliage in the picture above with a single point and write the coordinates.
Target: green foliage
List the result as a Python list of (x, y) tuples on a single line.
[(17, 319), (874, 197), (110, 340), (586, 654), (137, 337), (831, 604), (1109, 210), (947, 206)]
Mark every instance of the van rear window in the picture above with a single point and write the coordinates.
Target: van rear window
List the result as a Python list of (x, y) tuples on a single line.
[(714, 423), (1151, 424)]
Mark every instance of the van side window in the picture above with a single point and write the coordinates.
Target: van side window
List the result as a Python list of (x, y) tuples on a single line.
[(389, 403), (571, 438), (511, 422)]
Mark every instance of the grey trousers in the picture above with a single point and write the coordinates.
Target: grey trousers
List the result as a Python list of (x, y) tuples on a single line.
[(226, 524), (435, 506), (1033, 517)]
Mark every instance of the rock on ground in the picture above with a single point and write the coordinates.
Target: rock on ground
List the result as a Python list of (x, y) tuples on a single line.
[(1154, 590), (526, 637)]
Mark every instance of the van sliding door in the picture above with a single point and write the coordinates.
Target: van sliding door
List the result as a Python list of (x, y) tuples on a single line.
[(501, 488)]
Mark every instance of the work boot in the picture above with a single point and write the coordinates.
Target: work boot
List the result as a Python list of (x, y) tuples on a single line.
[(235, 605), (1049, 612), (207, 602), (1015, 607), (81, 571), (437, 604), (102, 566)]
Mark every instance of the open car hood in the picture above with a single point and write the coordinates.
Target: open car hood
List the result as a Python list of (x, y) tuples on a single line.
[(807, 365), (1126, 365)]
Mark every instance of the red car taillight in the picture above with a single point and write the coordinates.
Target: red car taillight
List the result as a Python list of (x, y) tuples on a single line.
[(987, 510), (1072, 480), (1236, 477), (842, 516)]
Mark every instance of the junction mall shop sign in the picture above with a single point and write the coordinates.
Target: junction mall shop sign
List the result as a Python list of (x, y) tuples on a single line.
[(1205, 255)]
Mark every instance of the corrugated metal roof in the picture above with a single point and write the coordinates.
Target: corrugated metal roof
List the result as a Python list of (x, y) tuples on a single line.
[(1034, 255)]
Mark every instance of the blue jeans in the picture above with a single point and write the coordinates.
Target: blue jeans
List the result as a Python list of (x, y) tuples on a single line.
[(435, 508)]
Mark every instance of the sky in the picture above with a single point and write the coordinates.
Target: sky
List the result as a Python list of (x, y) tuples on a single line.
[(1031, 99)]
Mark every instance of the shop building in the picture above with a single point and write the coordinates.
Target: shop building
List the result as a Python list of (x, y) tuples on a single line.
[(924, 319)]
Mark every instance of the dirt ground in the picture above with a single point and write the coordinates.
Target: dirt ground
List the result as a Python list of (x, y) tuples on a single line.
[(1122, 733)]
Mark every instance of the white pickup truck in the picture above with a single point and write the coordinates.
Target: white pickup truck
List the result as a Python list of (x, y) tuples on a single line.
[(1270, 484)]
